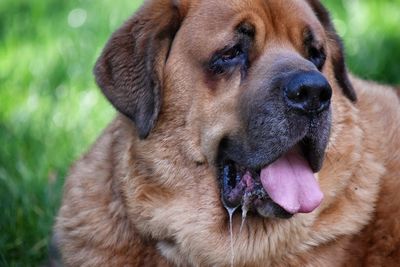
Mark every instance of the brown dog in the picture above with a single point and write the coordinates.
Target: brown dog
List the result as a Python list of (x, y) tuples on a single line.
[(235, 104)]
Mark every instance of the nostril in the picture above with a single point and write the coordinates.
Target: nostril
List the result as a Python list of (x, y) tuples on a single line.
[(326, 94)]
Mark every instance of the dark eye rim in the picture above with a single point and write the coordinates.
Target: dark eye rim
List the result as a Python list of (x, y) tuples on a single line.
[(227, 58), (317, 57)]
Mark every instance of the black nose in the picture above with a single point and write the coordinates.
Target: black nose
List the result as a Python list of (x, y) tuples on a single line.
[(308, 92)]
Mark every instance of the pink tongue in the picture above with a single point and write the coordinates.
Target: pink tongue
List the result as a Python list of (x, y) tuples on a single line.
[(291, 184)]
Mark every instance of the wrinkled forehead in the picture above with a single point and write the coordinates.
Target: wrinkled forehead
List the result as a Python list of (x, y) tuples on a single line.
[(210, 21), (272, 11)]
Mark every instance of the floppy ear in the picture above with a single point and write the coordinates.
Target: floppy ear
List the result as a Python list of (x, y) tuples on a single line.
[(130, 68), (339, 66)]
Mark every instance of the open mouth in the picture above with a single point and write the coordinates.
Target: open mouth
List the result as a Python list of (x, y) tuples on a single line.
[(282, 188)]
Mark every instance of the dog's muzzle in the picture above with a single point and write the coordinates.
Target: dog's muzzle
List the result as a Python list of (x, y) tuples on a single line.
[(269, 166)]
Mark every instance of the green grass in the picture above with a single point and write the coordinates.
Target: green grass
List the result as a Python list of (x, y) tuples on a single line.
[(372, 36), (51, 110)]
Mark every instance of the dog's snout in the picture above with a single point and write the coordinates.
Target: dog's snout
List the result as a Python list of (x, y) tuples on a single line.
[(307, 92)]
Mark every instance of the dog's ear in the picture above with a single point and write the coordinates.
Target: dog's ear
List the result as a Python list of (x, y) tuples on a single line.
[(130, 68), (337, 50)]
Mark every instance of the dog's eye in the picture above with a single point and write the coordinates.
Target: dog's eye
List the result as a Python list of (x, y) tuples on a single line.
[(314, 50), (231, 53), (227, 59), (317, 57)]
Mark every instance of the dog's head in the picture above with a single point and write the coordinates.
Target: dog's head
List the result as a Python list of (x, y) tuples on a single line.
[(232, 104)]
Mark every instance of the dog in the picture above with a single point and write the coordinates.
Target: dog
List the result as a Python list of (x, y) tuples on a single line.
[(241, 140)]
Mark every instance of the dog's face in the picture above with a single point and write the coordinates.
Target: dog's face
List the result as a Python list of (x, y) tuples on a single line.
[(233, 104)]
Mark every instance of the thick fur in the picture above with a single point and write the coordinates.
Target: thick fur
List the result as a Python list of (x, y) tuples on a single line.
[(147, 194)]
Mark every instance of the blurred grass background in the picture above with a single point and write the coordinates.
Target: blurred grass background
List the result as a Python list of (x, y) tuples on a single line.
[(51, 110)]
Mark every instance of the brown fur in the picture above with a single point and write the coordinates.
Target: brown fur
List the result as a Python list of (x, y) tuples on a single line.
[(137, 201)]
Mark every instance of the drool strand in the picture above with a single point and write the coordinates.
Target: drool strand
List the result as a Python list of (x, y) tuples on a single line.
[(231, 211)]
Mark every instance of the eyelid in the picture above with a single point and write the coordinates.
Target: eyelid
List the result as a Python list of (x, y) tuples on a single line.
[(234, 51), (220, 53), (219, 64), (223, 50)]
